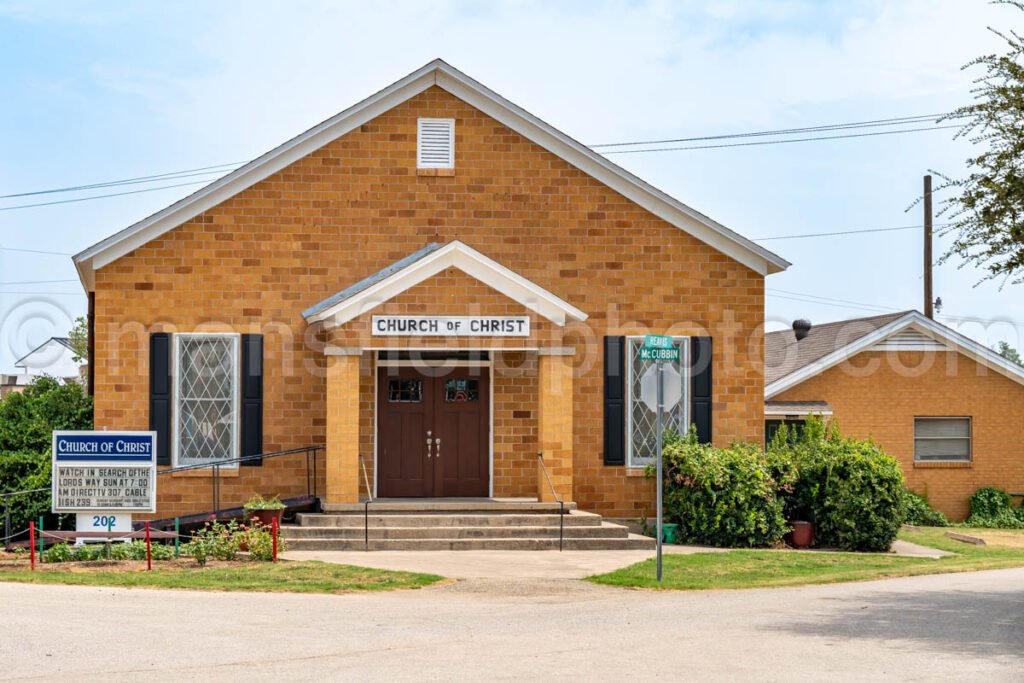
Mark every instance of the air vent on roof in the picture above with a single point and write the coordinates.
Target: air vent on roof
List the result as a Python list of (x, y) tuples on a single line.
[(436, 143), (909, 340)]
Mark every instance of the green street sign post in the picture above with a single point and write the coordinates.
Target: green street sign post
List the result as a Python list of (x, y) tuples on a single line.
[(659, 348)]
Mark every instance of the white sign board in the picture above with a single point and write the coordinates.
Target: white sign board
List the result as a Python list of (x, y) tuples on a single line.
[(104, 472), (450, 326)]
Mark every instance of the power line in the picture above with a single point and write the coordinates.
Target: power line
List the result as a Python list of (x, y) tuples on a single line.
[(37, 251), (2, 293), (35, 282), (100, 196), (187, 173), (781, 142), (903, 120), (843, 232)]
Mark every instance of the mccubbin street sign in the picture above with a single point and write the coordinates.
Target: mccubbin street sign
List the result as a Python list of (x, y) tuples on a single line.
[(648, 353)]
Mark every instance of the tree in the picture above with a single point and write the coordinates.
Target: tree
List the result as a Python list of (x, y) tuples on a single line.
[(27, 420), (986, 215), (1009, 353), (79, 336)]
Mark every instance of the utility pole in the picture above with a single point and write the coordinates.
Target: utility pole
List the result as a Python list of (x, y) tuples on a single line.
[(928, 298)]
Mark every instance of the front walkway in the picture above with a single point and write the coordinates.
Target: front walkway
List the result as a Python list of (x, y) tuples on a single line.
[(495, 564)]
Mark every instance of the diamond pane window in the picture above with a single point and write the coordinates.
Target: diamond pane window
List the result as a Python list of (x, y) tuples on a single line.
[(642, 435), (205, 389)]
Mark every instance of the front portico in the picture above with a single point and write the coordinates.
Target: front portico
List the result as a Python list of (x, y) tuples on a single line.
[(446, 373)]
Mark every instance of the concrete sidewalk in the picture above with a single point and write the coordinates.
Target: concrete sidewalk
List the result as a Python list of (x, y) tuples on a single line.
[(529, 564), (496, 564)]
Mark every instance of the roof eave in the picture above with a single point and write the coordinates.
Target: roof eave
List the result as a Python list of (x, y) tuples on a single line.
[(962, 344)]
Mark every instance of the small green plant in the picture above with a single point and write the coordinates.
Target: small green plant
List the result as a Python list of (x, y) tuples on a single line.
[(61, 552), (260, 541), (258, 502), (917, 511), (220, 541), (991, 508)]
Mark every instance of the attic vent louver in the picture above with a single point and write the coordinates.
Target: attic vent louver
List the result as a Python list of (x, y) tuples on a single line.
[(436, 143)]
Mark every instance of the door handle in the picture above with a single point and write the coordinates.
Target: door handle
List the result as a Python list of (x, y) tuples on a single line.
[(429, 442), (437, 441)]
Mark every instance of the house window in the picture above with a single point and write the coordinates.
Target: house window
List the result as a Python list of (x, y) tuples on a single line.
[(794, 425), (642, 440), (942, 439), (435, 147), (206, 398)]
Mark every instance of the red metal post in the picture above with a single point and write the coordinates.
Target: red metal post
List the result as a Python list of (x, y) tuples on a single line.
[(149, 555), (273, 534), (32, 542)]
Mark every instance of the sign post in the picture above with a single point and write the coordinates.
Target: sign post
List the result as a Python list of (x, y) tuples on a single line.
[(104, 477), (659, 348)]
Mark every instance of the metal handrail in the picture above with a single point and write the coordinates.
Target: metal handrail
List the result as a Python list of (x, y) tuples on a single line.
[(366, 505), (561, 503), (216, 466)]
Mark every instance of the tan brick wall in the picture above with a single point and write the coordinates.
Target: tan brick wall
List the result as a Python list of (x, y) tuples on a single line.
[(879, 393), (254, 262)]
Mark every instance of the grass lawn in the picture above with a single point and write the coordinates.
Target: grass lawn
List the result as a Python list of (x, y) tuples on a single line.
[(290, 577), (769, 568)]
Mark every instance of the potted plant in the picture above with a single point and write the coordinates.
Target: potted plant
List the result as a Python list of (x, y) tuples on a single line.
[(265, 510)]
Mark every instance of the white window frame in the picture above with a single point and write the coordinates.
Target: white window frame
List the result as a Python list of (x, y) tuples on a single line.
[(235, 399), (683, 343), (969, 438), (420, 163)]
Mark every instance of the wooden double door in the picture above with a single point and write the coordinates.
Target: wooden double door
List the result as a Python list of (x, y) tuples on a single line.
[(433, 432)]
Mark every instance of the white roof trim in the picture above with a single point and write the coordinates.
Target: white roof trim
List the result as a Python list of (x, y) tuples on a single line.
[(952, 339), (447, 77), (470, 261)]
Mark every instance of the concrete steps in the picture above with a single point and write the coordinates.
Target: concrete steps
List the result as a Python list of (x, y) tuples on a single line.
[(458, 525)]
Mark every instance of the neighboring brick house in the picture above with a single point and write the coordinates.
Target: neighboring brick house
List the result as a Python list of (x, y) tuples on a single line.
[(436, 285), (949, 409)]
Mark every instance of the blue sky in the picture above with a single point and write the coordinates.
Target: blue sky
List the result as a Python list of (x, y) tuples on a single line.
[(103, 91)]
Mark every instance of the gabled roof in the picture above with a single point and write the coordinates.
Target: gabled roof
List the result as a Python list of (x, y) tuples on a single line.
[(784, 355), (60, 341), (434, 258), (788, 363), (473, 93)]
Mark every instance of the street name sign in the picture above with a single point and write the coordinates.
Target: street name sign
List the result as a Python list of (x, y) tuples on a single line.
[(111, 472), (650, 353)]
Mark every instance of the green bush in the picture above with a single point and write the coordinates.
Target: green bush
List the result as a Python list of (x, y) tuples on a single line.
[(916, 510), (850, 489), (722, 496), (992, 508), (260, 541), (60, 552), (27, 420)]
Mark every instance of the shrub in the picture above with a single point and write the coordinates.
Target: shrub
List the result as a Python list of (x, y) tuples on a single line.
[(220, 541), (260, 541), (916, 510), (60, 552), (991, 508), (850, 489), (722, 496), (258, 502), (136, 550)]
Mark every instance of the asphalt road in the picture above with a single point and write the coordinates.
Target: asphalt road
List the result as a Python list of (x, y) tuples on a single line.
[(951, 627)]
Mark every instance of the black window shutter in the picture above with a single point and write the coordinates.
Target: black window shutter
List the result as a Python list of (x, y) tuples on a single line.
[(614, 400), (700, 387), (252, 397), (160, 394)]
